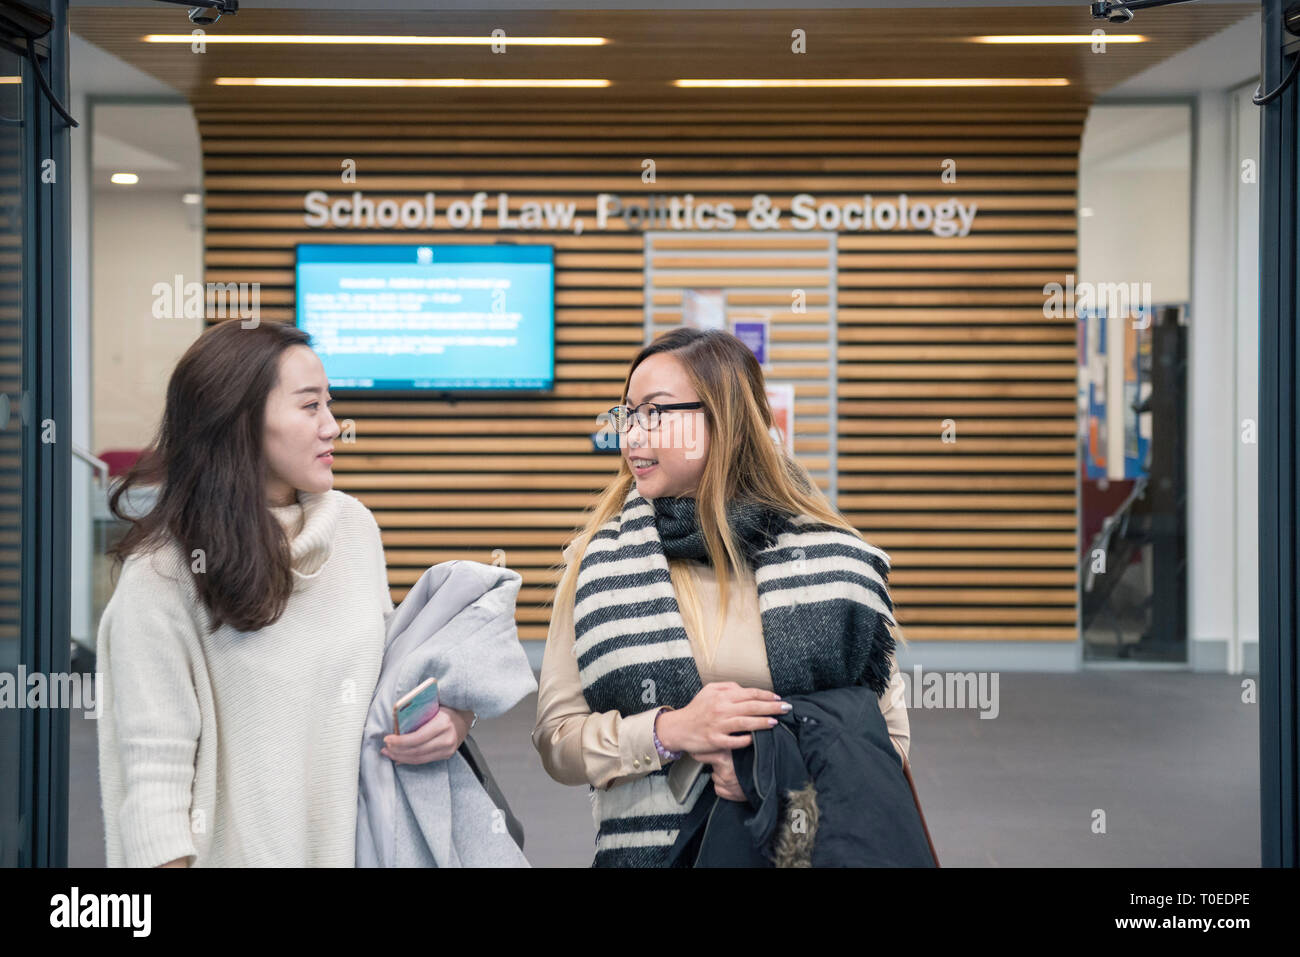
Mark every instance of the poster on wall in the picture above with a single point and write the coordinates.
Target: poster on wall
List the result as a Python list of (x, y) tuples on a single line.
[(753, 331), (780, 396), (1093, 358), (1137, 388), (704, 308)]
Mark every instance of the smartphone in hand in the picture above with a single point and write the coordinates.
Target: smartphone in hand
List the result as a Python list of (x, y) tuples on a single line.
[(416, 708)]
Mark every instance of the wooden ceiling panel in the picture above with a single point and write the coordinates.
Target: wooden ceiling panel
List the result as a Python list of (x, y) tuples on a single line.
[(649, 49)]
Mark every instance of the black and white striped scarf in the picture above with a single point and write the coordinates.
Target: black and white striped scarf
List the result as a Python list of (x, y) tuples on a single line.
[(825, 611)]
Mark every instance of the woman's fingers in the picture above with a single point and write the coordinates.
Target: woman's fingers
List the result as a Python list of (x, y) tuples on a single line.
[(723, 775), (440, 742), (432, 741), (440, 723), (756, 705), (758, 708), (727, 775), (753, 694), (747, 709), (726, 784), (435, 751), (746, 723), (431, 754)]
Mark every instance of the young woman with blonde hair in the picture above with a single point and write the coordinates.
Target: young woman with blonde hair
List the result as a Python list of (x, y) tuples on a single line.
[(706, 511)]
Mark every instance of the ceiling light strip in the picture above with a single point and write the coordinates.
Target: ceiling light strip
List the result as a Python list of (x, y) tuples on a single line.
[(439, 81), (878, 82), (358, 39)]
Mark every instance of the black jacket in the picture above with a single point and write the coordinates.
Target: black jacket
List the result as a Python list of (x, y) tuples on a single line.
[(824, 788)]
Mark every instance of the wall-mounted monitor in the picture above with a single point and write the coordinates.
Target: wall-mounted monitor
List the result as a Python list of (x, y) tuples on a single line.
[(415, 318)]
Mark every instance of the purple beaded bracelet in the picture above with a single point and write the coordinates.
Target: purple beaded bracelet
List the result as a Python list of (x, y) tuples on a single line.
[(664, 753)]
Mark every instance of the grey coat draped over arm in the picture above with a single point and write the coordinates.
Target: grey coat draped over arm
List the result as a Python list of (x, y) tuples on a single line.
[(458, 625)]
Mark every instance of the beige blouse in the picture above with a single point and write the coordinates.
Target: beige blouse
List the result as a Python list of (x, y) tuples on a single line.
[(606, 748)]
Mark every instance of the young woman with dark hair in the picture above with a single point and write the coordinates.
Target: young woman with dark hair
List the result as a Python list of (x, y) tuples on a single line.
[(706, 511), (242, 644)]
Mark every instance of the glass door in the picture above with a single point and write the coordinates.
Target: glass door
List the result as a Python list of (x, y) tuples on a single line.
[(34, 448)]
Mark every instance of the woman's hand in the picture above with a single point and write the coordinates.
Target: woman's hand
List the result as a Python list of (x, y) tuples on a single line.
[(435, 740), (717, 717), (725, 782)]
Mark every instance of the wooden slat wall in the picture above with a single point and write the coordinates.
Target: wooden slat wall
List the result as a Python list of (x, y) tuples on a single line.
[(982, 532), (934, 332), (758, 272)]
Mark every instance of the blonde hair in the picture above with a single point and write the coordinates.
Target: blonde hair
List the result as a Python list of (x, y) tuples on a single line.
[(743, 463)]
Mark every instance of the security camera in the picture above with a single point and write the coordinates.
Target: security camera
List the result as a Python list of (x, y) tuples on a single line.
[(210, 12), (1111, 12)]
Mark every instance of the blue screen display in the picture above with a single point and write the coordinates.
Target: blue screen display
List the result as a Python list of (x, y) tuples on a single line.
[(399, 318)]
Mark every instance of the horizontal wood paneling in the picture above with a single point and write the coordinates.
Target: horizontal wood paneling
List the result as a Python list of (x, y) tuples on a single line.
[(982, 532), (646, 51), (757, 265)]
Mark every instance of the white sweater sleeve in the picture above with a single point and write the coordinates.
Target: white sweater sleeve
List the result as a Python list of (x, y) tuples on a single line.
[(146, 642)]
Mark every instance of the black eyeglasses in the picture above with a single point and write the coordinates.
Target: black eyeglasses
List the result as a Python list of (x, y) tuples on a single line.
[(647, 414)]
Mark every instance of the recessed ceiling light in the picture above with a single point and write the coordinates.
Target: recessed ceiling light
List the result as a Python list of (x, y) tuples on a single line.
[(882, 81), (399, 81), (397, 40), (124, 179), (1060, 38)]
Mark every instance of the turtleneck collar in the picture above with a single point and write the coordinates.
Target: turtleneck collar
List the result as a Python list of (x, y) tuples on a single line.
[(310, 523)]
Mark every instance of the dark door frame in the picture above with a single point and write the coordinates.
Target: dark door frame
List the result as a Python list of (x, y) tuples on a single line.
[(45, 642), (1279, 496)]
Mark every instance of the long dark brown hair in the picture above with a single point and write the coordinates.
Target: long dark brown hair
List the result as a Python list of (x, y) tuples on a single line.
[(208, 463)]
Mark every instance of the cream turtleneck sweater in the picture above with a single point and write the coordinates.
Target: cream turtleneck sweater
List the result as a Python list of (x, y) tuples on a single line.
[(233, 748)]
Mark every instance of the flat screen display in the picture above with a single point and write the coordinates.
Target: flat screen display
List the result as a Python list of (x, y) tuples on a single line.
[(411, 318)]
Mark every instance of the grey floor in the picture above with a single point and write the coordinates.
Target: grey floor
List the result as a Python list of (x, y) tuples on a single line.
[(1104, 768)]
